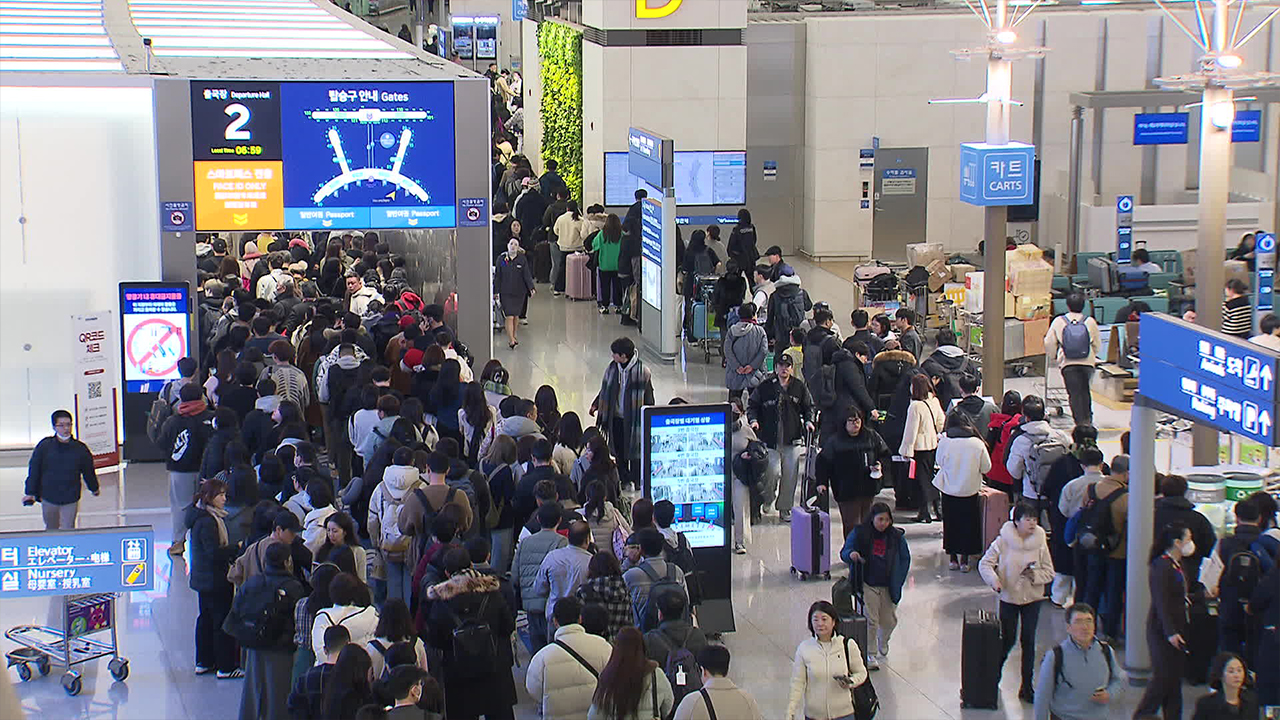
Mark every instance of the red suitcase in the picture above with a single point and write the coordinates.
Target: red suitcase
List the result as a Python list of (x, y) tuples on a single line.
[(993, 506), (577, 283)]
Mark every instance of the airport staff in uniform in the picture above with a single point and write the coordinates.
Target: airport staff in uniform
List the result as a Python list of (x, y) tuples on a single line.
[(57, 465)]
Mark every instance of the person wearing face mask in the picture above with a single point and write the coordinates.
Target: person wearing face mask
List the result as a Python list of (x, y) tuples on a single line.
[(513, 285), (1167, 623), (57, 466)]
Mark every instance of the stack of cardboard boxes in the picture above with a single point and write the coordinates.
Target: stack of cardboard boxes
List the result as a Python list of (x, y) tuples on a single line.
[(1027, 297)]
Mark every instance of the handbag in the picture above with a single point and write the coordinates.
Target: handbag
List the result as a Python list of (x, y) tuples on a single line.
[(866, 703)]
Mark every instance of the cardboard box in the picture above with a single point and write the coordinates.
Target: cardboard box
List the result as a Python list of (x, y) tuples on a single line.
[(1014, 338), (1030, 277), (921, 254), (939, 274), (1239, 269), (960, 270), (955, 292), (1022, 252), (1030, 307), (1189, 260), (1010, 305), (1033, 332)]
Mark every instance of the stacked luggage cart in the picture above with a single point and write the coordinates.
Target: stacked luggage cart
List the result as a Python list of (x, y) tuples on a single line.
[(701, 330)]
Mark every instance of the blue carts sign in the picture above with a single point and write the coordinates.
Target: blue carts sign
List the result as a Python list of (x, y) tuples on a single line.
[(1209, 377), (992, 175), (73, 562)]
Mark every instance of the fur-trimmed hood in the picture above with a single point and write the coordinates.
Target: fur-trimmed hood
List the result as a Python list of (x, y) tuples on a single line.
[(466, 581), (890, 355)]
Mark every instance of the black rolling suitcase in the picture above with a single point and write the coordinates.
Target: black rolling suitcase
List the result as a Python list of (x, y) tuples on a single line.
[(541, 257), (1202, 638), (980, 660), (852, 622)]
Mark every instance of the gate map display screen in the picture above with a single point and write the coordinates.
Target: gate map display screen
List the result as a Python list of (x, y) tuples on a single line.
[(686, 456), (702, 177), (155, 330), (323, 155)]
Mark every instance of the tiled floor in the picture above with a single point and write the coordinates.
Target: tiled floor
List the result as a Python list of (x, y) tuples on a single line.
[(566, 346)]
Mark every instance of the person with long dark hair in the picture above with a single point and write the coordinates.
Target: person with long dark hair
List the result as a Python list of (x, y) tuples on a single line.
[(395, 625), (883, 561), (1231, 698), (631, 686), (1018, 566), (567, 437), (340, 529), (446, 400), (962, 460), (999, 434), (304, 617), (743, 245), (826, 668), (920, 441), (607, 249), (609, 529), (1167, 623), (211, 558), (242, 492), (850, 466), (596, 463), (604, 587), (476, 423), (495, 378), (548, 410), (350, 685)]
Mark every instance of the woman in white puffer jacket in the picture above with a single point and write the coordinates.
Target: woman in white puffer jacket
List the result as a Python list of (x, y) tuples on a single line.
[(815, 693), (1018, 566)]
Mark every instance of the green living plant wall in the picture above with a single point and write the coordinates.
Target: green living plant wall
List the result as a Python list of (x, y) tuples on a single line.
[(560, 48)]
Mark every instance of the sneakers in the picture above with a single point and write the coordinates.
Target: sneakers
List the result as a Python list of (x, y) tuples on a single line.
[(739, 549), (784, 516), (556, 293), (202, 670), (604, 310), (964, 568), (873, 662), (953, 566), (233, 675), (524, 321)]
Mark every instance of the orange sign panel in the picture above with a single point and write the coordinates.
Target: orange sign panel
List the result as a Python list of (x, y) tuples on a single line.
[(239, 195)]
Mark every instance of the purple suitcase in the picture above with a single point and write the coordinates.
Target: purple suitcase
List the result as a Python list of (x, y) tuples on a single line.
[(810, 542)]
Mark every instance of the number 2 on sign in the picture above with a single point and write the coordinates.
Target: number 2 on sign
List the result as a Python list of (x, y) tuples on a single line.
[(239, 115)]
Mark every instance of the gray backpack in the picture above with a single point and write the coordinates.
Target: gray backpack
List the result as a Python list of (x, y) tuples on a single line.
[(1076, 341)]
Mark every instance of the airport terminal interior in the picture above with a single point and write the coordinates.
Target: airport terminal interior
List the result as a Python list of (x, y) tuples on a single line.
[(216, 215)]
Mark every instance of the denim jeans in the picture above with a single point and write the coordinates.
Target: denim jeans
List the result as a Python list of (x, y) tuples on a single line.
[(557, 267), (399, 580), (1106, 591), (537, 637)]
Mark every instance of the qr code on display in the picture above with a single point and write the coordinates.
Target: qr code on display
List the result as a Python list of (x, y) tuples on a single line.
[(95, 390)]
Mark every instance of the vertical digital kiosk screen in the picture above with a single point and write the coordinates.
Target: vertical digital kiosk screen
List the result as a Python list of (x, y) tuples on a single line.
[(155, 332), (686, 461)]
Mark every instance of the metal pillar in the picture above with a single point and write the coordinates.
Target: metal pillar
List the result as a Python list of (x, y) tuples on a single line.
[(1215, 177), (1073, 182), (995, 231), (1141, 529)]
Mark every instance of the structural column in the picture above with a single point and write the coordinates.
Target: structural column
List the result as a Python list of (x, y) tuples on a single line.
[(1141, 529), (995, 232), (1215, 178)]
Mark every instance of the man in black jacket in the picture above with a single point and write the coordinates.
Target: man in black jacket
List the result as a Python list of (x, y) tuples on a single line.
[(634, 212), (820, 344), (862, 333), (183, 437), (528, 209), (57, 466), (1173, 506), (946, 366), (851, 388), (273, 593), (781, 412)]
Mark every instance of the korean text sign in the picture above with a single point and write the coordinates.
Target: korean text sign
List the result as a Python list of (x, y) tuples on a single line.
[(70, 562), (994, 175)]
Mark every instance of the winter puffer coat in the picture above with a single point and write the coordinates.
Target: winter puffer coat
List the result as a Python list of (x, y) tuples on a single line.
[(558, 682), (1009, 555), (845, 463), (745, 345), (384, 510), (887, 370)]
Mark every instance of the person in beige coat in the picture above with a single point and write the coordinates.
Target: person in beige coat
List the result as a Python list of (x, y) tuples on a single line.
[(719, 694), (1018, 566), (815, 692), (562, 683), (920, 441)]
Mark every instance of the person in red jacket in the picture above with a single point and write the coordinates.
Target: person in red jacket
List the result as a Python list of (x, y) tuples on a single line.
[(999, 431)]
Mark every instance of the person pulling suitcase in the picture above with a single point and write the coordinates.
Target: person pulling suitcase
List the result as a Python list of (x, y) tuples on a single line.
[(879, 560)]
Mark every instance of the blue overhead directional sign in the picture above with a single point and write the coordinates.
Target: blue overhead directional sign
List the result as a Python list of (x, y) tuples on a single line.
[(1160, 128), (1247, 127), (993, 175), (73, 562), (645, 157), (1209, 377)]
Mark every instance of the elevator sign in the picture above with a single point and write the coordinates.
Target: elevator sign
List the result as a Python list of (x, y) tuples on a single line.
[(72, 562), (995, 175)]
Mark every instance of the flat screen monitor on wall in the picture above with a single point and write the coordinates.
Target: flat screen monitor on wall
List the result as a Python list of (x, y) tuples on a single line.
[(703, 177)]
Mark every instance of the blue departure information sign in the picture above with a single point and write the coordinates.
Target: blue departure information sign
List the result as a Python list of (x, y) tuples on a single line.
[(1209, 377), (644, 156), (72, 562), (686, 455), (651, 251), (361, 155)]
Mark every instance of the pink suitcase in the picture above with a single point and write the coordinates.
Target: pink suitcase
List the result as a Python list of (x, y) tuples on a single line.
[(577, 278), (993, 507), (810, 542)]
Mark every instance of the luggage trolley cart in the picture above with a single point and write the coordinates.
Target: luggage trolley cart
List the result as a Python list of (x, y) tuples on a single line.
[(85, 618), (1056, 401)]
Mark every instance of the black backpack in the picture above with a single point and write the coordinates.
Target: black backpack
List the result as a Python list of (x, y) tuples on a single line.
[(682, 665), (1057, 664), (261, 614), (474, 651), (1096, 532), (823, 389), (751, 469), (661, 585), (682, 557), (1244, 569)]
